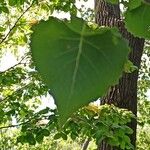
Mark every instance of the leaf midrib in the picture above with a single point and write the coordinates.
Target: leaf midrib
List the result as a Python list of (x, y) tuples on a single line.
[(77, 61)]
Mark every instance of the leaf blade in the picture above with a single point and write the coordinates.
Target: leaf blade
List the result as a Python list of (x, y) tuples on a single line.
[(65, 55)]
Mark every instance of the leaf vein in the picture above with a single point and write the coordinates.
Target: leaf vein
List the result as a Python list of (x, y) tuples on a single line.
[(77, 62)]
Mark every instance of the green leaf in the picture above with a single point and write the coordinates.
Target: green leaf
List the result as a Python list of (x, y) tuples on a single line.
[(120, 133), (16, 2), (73, 136), (127, 139), (137, 21), (12, 2), (60, 135), (128, 130), (21, 2), (122, 145), (39, 138), (30, 138), (129, 67), (57, 136), (134, 4), (64, 136), (4, 9), (1, 112), (21, 139), (113, 1), (113, 141), (77, 62), (45, 132), (2, 29)]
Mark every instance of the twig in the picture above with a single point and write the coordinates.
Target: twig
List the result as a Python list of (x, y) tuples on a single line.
[(22, 123), (16, 23), (12, 126), (16, 125), (12, 67)]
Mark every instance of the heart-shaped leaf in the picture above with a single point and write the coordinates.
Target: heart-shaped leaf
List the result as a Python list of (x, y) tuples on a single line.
[(77, 63), (137, 21)]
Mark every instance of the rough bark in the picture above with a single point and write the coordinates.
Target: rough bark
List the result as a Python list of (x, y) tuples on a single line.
[(123, 95)]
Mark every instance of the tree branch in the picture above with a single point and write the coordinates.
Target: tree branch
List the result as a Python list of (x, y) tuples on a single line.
[(15, 24), (22, 123), (16, 125), (12, 67), (12, 126)]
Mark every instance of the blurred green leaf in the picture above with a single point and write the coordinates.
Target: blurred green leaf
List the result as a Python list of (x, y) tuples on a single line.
[(132, 23)]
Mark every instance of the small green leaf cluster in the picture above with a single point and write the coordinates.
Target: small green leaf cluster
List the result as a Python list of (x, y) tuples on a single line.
[(144, 112), (144, 80), (19, 98), (14, 76), (3, 7), (143, 140), (6, 4), (129, 67), (106, 122), (35, 129), (29, 137), (17, 2), (66, 6)]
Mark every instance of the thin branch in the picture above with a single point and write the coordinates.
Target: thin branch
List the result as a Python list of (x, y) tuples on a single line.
[(12, 67), (16, 23), (16, 125), (22, 123)]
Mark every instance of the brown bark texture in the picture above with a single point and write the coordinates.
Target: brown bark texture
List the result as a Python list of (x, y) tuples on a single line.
[(123, 95)]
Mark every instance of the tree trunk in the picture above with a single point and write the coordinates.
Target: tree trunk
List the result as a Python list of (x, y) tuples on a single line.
[(123, 95)]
